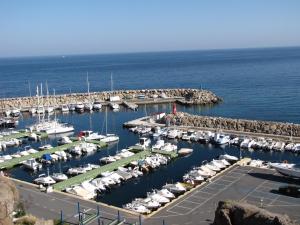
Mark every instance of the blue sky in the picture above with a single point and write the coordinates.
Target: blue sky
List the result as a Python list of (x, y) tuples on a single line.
[(61, 27)]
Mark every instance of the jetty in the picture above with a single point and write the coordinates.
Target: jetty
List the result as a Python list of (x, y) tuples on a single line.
[(21, 134), (131, 97), (16, 161), (96, 172)]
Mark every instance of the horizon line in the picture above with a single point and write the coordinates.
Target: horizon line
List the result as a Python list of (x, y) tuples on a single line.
[(145, 52)]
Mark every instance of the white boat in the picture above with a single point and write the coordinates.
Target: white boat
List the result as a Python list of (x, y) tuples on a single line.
[(177, 188), (79, 107), (75, 150), (172, 134), (158, 145), (169, 147), (213, 167), (76, 171), (44, 180), (59, 177), (287, 169), (138, 208), (108, 138), (164, 192), (229, 158), (88, 107), (159, 198), (87, 147), (245, 143), (144, 142), (45, 147), (64, 140), (59, 128), (218, 163), (221, 139), (108, 159), (15, 113), (185, 151), (64, 108), (114, 106), (97, 105), (207, 170), (31, 164), (147, 202), (90, 135), (81, 192)]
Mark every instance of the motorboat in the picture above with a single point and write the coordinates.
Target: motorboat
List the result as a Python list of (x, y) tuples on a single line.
[(59, 177), (64, 140), (172, 134), (245, 143), (75, 150), (45, 147), (31, 164), (213, 167), (79, 107), (158, 198), (177, 188), (139, 208), (90, 135), (44, 180), (207, 170), (158, 145), (15, 113), (164, 192), (64, 108), (287, 169), (59, 128), (218, 163), (80, 191), (169, 147), (99, 184), (185, 151), (97, 105), (107, 160), (114, 106), (87, 147), (221, 139), (16, 155), (76, 171), (229, 158), (144, 142), (109, 138), (49, 109), (148, 203), (225, 162), (88, 106)]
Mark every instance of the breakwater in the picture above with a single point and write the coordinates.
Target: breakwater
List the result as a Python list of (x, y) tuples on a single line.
[(191, 96), (229, 124)]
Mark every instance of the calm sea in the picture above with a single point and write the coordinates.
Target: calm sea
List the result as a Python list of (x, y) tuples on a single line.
[(254, 83)]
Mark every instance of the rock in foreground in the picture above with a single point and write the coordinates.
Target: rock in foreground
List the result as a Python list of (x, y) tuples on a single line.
[(235, 213)]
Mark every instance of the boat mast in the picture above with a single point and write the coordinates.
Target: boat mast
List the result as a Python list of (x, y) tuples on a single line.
[(38, 102), (55, 104), (42, 101), (47, 99), (88, 86), (106, 120), (111, 82)]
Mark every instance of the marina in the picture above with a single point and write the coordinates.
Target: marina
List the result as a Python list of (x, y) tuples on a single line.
[(150, 156)]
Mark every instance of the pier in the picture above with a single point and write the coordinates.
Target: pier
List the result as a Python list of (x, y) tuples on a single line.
[(133, 97), (96, 172), (22, 134), (16, 161)]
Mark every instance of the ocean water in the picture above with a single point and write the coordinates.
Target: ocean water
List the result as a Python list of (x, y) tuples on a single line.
[(254, 83)]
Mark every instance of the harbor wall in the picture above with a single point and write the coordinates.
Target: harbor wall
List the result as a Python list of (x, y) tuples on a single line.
[(191, 96), (239, 125)]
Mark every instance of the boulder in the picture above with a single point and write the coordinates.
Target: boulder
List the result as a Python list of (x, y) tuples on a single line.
[(236, 213)]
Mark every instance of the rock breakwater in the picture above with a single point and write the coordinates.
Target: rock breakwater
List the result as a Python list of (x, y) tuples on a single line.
[(242, 125), (193, 96)]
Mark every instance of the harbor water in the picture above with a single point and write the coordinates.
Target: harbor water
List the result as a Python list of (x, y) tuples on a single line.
[(254, 83)]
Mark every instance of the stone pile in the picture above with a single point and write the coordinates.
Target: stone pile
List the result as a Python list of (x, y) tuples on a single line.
[(242, 125), (193, 96)]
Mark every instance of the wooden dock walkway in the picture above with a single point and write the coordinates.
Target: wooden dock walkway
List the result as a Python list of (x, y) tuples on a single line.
[(21, 134), (96, 172), (16, 161)]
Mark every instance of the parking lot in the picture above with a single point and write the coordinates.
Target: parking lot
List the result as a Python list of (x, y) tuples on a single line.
[(252, 185)]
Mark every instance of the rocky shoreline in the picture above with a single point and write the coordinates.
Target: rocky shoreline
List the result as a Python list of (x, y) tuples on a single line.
[(240, 125), (191, 96)]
